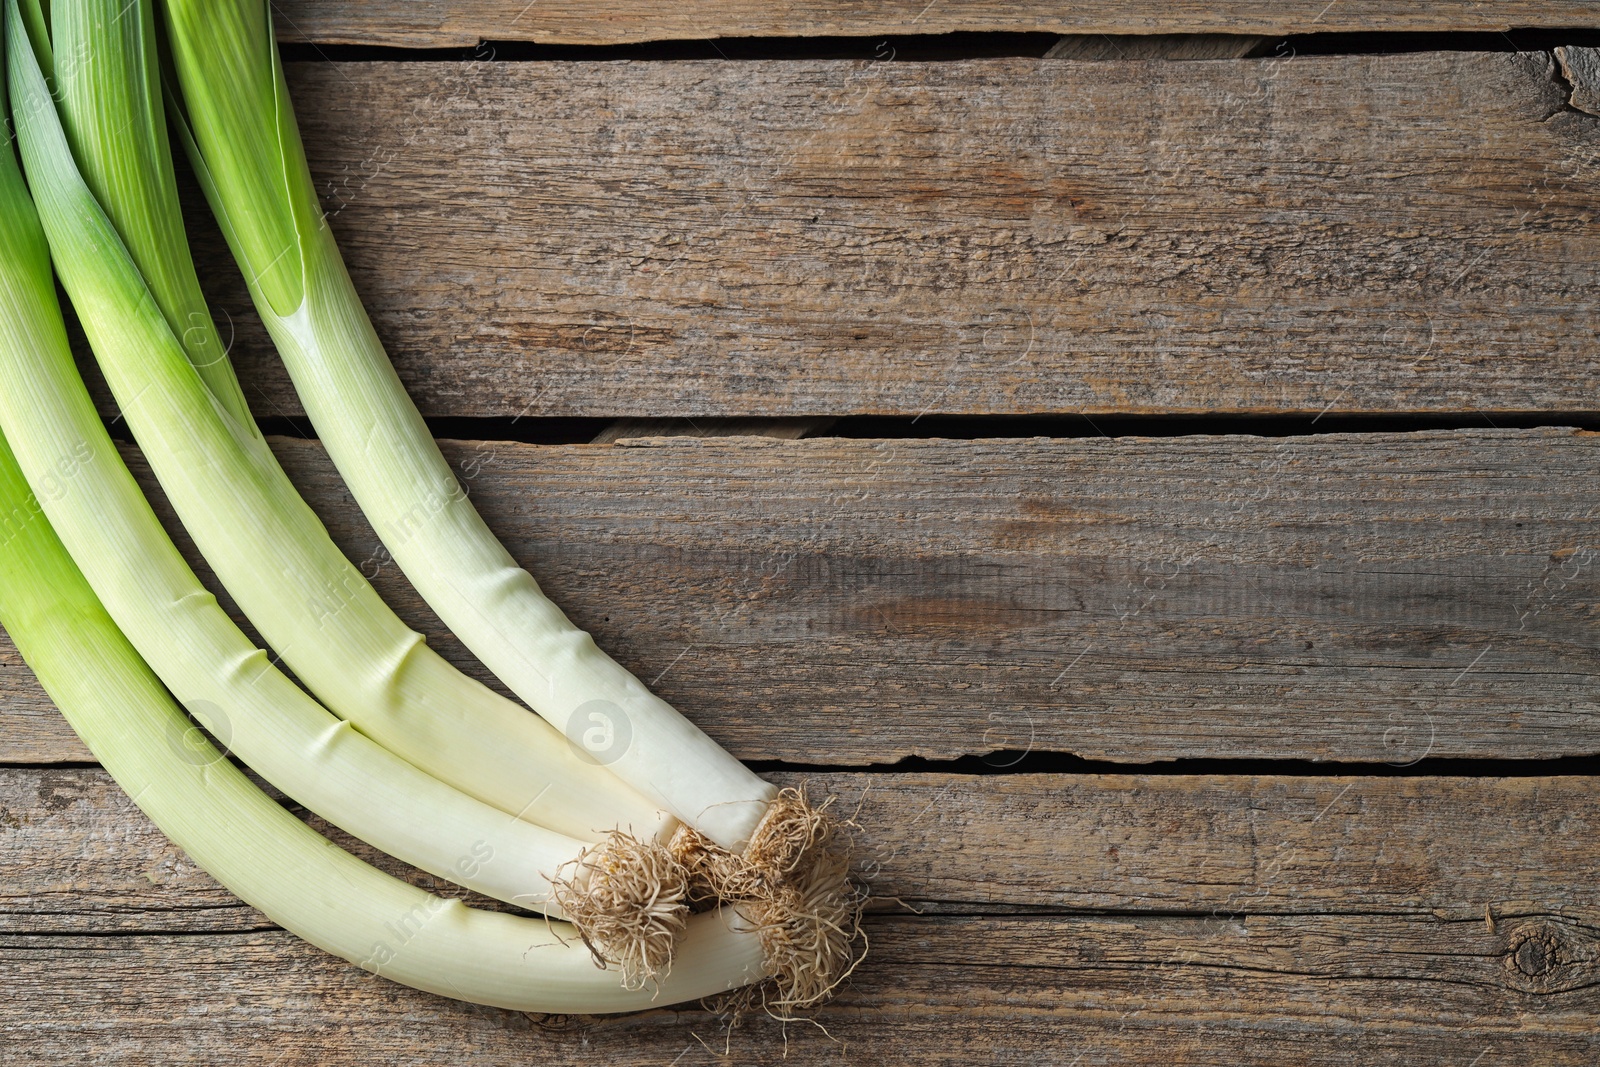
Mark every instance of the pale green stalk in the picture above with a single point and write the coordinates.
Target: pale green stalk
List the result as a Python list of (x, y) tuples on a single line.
[(116, 137), (242, 138), (269, 550), (94, 504), (262, 853)]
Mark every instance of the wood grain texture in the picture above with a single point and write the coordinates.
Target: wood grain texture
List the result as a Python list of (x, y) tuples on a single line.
[(951, 991), (440, 23), (1581, 68), (731, 243), (1405, 233), (1218, 920), (1205, 845), (1367, 597)]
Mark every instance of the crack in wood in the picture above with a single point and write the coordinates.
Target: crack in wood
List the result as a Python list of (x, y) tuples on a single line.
[(1578, 73)]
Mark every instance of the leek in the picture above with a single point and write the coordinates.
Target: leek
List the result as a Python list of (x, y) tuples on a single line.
[(267, 547)]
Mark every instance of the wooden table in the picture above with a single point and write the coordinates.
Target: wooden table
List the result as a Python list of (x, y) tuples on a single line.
[(1155, 495)]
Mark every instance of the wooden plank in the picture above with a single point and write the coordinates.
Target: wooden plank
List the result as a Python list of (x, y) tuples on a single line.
[(940, 991), (1217, 919), (1367, 597), (1095, 47), (1312, 235), (947, 991), (442, 23), (1204, 845)]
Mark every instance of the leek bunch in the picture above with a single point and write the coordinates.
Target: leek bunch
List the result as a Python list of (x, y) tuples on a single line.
[(437, 743), (122, 710), (742, 840), (392, 744)]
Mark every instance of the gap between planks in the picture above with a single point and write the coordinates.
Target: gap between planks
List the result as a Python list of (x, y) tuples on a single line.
[(465, 23)]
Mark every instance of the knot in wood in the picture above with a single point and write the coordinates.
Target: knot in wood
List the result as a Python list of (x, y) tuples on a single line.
[(1536, 955), (1552, 955)]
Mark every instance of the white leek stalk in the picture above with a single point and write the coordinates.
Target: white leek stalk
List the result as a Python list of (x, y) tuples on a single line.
[(227, 683), (246, 148), (269, 550), (262, 853)]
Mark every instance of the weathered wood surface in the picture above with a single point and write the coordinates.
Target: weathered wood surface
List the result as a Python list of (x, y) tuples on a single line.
[(1207, 845), (1581, 68), (441, 23), (1208, 920), (1361, 597), (803, 240), (958, 990), (1099, 46), (1306, 235)]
